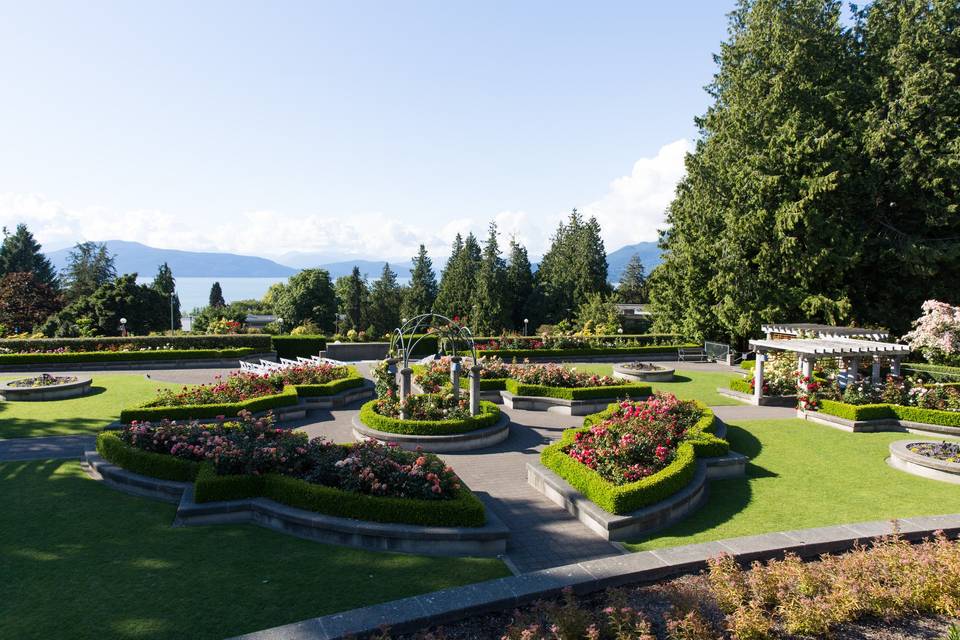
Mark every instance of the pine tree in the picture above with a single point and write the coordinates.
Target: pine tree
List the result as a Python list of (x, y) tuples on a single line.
[(489, 313), (353, 297), (20, 253), (165, 283), (89, 267), (458, 283), (216, 296), (633, 282), (574, 267), (422, 291), (519, 287), (386, 297)]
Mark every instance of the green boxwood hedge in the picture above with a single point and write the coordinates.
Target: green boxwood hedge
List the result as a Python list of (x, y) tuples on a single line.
[(488, 416), (293, 347), (742, 385), (285, 398), (632, 390), (507, 354), (464, 510), (935, 371), (213, 342), (333, 387), (155, 465), (624, 499), (890, 412), (123, 356)]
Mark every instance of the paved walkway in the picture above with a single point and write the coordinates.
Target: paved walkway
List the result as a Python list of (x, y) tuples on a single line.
[(45, 448)]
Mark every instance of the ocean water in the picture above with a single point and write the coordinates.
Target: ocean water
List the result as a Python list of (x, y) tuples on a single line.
[(195, 292)]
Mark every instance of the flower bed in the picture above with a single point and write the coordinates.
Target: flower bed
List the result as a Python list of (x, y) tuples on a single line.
[(251, 458), (135, 343), (124, 356), (559, 342), (428, 415), (625, 350), (43, 380), (247, 391), (943, 451), (555, 381), (635, 453), (436, 375)]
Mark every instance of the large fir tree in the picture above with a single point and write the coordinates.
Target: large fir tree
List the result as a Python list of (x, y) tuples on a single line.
[(490, 311), (89, 267), (422, 291), (165, 283), (20, 253), (518, 297), (458, 283), (353, 295), (633, 282), (574, 267), (386, 297), (216, 300)]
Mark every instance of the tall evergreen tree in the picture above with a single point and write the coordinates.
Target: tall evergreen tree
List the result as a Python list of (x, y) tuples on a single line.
[(490, 312), (89, 267), (422, 291), (100, 312), (633, 282), (574, 267), (20, 253), (519, 287), (458, 283), (386, 297), (216, 296), (165, 283), (353, 296)]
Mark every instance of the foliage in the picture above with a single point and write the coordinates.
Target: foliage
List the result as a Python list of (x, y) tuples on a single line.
[(111, 445), (308, 295), (423, 406), (303, 346), (449, 423), (145, 309), (385, 382), (216, 300), (889, 411), (554, 375), (421, 293), (490, 311), (936, 333), (135, 343), (945, 451), (459, 279), (574, 266), (166, 284), (598, 315), (308, 328), (436, 374), (25, 301), (89, 267), (236, 312), (386, 299), (520, 298), (633, 282), (222, 326), (353, 296), (20, 253)]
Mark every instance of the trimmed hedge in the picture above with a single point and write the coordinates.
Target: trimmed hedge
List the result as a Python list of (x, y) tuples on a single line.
[(933, 369), (333, 387), (155, 465), (741, 385), (639, 337), (464, 510), (293, 347), (488, 416), (624, 499), (633, 390), (572, 353), (285, 398), (890, 412), (124, 356), (187, 342)]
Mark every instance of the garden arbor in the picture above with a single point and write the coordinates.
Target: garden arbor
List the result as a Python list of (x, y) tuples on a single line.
[(452, 338), (850, 352)]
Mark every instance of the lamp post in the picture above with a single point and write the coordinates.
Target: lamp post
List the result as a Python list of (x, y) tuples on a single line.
[(123, 327), (279, 325), (526, 321)]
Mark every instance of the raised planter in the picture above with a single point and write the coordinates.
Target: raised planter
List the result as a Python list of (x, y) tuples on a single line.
[(354, 351), (488, 540), (642, 521), (478, 439), (765, 401), (919, 465), (883, 424), (655, 373), (557, 405), (74, 389), (127, 365)]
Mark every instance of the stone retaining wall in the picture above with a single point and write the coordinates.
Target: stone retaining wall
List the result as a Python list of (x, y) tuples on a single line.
[(79, 387), (479, 439), (870, 426), (556, 405)]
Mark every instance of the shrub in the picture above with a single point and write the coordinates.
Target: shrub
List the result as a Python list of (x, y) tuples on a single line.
[(591, 351), (284, 398), (136, 343), (936, 333), (122, 356), (300, 346), (742, 385), (488, 416), (112, 448), (888, 412)]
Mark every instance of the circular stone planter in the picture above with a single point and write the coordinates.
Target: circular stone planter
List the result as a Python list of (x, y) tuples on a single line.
[(79, 387), (924, 466), (477, 439), (655, 373)]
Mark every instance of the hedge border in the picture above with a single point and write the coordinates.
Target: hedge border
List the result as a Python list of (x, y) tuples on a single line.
[(624, 499), (464, 510), (489, 415), (293, 347), (123, 356), (570, 353), (211, 341), (741, 385), (333, 387), (634, 390), (859, 412)]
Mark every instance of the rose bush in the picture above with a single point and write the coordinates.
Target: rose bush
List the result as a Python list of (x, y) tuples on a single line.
[(553, 375), (425, 406), (437, 373)]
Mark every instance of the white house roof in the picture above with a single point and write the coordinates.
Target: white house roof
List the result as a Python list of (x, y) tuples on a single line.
[(823, 330), (832, 347)]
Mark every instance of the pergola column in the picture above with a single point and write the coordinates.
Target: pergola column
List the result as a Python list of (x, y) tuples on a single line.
[(455, 369), (875, 371), (405, 382), (895, 366), (758, 377), (475, 389)]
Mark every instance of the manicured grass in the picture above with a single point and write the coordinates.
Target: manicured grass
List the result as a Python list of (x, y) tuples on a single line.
[(80, 560), (802, 475), (87, 414), (687, 385)]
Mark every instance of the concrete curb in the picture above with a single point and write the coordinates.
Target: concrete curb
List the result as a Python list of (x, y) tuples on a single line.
[(75, 389), (488, 540), (622, 372), (449, 605), (558, 405), (478, 439)]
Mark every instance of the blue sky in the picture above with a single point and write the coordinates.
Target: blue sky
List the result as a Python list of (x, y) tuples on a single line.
[(346, 129)]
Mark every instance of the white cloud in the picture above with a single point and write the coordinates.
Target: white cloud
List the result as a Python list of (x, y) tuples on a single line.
[(634, 208)]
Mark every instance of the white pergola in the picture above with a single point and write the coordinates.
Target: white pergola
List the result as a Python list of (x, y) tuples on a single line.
[(849, 350), (796, 329)]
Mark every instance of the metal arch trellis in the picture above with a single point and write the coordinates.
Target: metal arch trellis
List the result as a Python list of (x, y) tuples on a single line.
[(449, 336)]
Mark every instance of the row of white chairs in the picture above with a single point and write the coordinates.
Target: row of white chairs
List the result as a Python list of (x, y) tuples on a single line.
[(266, 366)]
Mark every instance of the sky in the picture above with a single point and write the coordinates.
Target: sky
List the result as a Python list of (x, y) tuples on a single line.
[(347, 129)]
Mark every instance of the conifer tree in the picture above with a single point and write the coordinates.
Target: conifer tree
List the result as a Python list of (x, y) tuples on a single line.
[(422, 291), (216, 296), (574, 267), (519, 288), (386, 297), (165, 283), (633, 283), (20, 253), (457, 285), (490, 312), (89, 267), (353, 295)]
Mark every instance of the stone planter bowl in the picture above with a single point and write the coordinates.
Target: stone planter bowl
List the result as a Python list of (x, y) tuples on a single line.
[(79, 387), (919, 465), (656, 374)]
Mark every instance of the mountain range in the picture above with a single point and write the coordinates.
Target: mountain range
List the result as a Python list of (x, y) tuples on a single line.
[(139, 258)]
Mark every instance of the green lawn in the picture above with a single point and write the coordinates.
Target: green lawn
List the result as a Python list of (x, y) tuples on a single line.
[(80, 560), (803, 475), (688, 385), (87, 414)]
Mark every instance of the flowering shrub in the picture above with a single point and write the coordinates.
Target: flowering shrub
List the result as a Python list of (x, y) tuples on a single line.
[(547, 341), (385, 382), (425, 406), (553, 375), (256, 447), (638, 440), (243, 385), (936, 333), (437, 373), (222, 326), (912, 392)]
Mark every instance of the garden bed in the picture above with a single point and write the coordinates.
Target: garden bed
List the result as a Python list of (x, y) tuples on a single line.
[(574, 401), (161, 358), (884, 417), (643, 372), (437, 434), (44, 387), (935, 460)]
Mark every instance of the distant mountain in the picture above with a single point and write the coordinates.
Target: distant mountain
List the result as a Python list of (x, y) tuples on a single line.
[(617, 261), (369, 268), (135, 257)]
